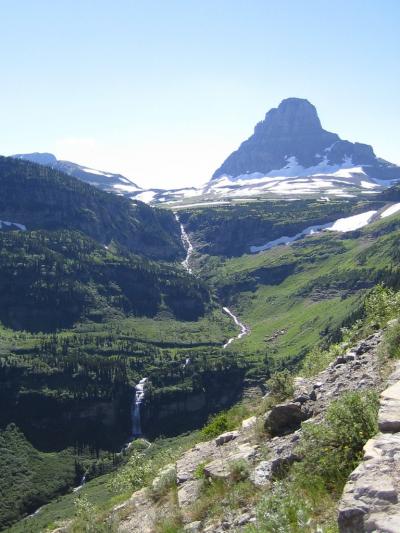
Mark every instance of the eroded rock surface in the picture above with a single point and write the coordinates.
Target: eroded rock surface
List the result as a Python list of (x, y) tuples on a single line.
[(371, 497)]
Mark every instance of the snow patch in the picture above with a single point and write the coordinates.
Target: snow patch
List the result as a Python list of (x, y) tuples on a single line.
[(342, 225), (6, 223), (390, 210), (146, 196), (368, 185), (311, 230), (352, 223)]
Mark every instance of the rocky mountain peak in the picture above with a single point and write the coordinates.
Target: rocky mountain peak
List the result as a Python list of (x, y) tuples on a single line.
[(293, 116), (291, 134)]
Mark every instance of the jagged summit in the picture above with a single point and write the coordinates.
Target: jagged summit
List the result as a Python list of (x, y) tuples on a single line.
[(293, 116), (293, 130)]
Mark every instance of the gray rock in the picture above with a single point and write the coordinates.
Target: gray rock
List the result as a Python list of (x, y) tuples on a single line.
[(284, 418), (283, 454), (389, 413), (165, 478), (226, 437), (249, 423), (294, 130), (193, 527), (220, 468), (187, 464), (189, 492), (371, 497)]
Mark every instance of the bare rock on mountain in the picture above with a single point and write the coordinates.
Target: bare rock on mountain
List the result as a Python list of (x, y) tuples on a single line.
[(292, 132)]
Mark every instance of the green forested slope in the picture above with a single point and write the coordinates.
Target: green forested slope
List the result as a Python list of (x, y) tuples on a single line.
[(43, 198)]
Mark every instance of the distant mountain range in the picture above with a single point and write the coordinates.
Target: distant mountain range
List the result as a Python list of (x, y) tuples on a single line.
[(106, 181), (289, 155)]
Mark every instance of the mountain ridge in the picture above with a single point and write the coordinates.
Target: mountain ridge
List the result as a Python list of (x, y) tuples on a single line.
[(106, 181), (293, 129)]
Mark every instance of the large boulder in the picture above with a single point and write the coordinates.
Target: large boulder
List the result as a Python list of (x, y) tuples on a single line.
[(284, 418)]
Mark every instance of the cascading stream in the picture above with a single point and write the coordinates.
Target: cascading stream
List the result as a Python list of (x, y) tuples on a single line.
[(244, 330), (187, 245), (136, 405)]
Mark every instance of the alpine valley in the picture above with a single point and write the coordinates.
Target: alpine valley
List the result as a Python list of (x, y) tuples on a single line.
[(161, 350)]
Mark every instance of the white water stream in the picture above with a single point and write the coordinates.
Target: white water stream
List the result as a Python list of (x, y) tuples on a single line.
[(136, 405), (244, 330), (187, 245)]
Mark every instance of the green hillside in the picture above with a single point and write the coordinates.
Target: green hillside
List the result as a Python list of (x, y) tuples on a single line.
[(42, 198)]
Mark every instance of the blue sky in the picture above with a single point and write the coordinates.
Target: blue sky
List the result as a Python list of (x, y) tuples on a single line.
[(162, 91)]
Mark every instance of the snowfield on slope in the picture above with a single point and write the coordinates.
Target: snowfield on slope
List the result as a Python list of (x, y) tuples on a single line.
[(342, 225), (8, 224), (390, 210)]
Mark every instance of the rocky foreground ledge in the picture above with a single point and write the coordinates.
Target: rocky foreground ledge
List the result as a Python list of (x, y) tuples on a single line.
[(357, 369), (371, 498)]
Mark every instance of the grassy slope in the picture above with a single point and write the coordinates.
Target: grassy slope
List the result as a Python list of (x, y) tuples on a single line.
[(326, 277)]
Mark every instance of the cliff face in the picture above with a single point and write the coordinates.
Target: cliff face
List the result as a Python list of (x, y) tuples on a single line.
[(176, 412), (292, 132)]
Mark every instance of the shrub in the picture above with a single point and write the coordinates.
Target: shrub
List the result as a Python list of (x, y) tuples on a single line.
[(239, 470), (199, 471), (280, 385), (381, 305), (169, 525), (87, 519), (306, 500), (164, 481), (217, 424), (332, 449), (226, 420), (391, 342), (134, 475), (282, 511)]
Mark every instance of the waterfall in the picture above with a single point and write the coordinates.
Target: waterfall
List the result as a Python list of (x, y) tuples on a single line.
[(136, 405), (83, 481), (187, 245), (244, 330)]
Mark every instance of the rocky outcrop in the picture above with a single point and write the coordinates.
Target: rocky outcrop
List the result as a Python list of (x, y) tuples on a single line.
[(293, 131), (282, 453), (371, 497), (285, 418)]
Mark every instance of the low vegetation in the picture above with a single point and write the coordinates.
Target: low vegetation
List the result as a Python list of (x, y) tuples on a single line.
[(305, 500)]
